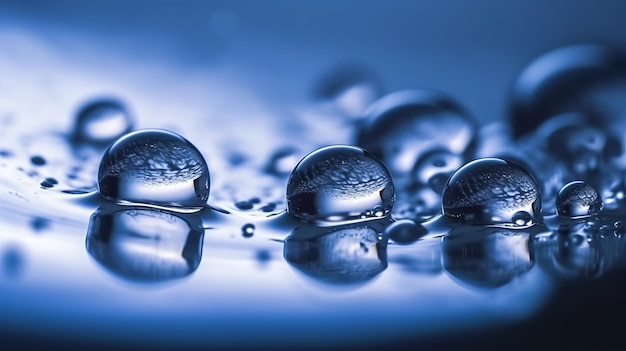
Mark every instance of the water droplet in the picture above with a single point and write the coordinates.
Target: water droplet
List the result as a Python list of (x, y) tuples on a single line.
[(49, 183), (283, 161), (565, 80), (145, 245), (244, 205), (343, 254), (101, 121), (435, 167), (338, 184), (247, 230), (400, 127), (155, 168), (38, 160), (349, 87), (492, 191), (405, 231), (578, 199)]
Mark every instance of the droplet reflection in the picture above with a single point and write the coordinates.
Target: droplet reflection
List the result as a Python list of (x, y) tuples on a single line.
[(351, 254), (145, 245)]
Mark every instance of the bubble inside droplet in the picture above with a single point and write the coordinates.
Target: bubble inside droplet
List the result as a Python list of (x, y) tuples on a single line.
[(578, 199), (492, 191), (339, 183), (154, 167), (102, 121)]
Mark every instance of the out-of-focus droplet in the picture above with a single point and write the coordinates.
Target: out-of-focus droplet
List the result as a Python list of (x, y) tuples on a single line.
[(350, 88), (405, 231), (339, 184), (145, 245), (38, 160), (402, 126), (12, 261), (283, 161), (435, 167), (578, 199), (101, 121), (567, 79), (247, 230), (154, 167), (488, 257), (338, 255), (492, 191)]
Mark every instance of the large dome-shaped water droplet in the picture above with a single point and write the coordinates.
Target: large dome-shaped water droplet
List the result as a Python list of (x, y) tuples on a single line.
[(492, 191), (338, 184), (578, 199), (577, 78), (154, 167), (403, 125), (101, 121)]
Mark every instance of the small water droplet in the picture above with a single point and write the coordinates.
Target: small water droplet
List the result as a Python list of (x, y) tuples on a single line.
[(578, 199), (244, 205), (492, 191), (247, 230), (38, 160), (405, 231), (154, 167), (339, 183), (101, 121), (400, 127)]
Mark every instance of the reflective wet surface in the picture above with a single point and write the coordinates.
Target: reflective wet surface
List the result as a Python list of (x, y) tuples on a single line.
[(166, 204)]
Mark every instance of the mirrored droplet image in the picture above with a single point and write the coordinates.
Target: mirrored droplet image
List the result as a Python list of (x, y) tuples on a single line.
[(145, 245), (155, 167), (342, 255), (338, 184), (402, 126), (405, 231), (487, 257), (492, 191), (578, 199), (101, 121)]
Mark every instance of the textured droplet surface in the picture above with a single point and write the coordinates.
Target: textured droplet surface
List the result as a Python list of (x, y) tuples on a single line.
[(492, 191), (338, 184), (402, 126), (154, 167), (578, 199), (145, 245), (101, 121)]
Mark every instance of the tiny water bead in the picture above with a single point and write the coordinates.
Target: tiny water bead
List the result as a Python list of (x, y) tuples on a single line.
[(101, 121), (38, 160), (578, 199), (247, 230), (400, 127), (494, 192), (338, 184), (154, 167)]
